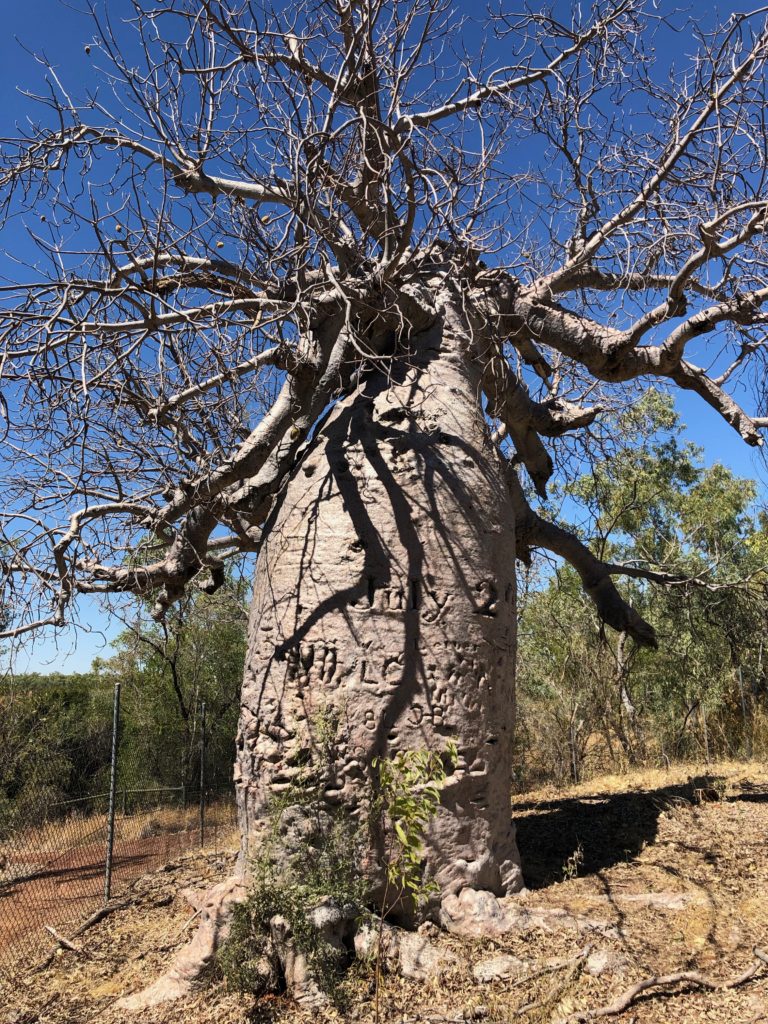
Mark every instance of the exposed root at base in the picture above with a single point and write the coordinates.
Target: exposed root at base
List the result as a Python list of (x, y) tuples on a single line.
[(196, 958), (472, 912), (476, 913)]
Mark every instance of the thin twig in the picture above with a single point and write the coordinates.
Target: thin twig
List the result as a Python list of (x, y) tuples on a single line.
[(621, 1002), (99, 915), (551, 968), (573, 967), (187, 923), (64, 943)]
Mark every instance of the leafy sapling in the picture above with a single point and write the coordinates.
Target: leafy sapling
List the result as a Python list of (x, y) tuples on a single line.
[(409, 796)]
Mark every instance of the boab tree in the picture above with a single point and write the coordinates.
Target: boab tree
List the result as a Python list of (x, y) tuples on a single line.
[(328, 285)]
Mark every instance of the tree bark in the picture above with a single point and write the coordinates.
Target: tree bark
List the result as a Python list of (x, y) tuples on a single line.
[(383, 618)]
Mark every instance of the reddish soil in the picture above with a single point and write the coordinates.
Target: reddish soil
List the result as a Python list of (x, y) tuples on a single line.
[(71, 886)]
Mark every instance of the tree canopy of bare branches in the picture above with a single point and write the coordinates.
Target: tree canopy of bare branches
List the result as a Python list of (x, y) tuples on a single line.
[(244, 219)]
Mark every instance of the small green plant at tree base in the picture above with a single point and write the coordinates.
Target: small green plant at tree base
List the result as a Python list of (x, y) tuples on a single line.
[(409, 786), (409, 795), (325, 867)]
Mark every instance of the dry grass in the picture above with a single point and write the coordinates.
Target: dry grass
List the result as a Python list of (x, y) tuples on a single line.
[(54, 875), (676, 879), (734, 774), (37, 843), (161, 820)]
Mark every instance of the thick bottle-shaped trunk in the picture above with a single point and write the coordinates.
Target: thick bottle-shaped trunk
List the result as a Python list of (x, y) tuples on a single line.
[(383, 616)]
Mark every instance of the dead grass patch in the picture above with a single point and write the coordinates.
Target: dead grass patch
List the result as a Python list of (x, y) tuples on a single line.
[(641, 836)]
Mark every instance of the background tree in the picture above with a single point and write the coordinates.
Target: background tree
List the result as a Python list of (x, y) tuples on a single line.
[(56, 730), (168, 670), (55, 734), (284, 272), (592, 697)]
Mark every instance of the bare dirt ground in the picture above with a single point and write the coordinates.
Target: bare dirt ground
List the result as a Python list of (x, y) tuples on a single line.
[(672, 875), (75, 881), (54, 875)]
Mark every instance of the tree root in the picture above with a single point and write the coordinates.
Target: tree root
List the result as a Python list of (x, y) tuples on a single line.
[(195, 959), (664, 981), (216, 908), (477, 913)]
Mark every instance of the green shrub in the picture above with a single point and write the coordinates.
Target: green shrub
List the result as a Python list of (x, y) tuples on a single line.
[(324, 866)]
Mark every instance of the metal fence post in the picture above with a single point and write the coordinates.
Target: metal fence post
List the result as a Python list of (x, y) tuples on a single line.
[(744, 716), (112, 796), (202, 775)]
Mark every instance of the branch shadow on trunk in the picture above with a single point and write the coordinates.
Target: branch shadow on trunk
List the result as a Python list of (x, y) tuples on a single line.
[(354, 426)]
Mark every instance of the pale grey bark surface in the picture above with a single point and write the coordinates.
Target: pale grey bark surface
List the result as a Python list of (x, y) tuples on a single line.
[(384, 608)]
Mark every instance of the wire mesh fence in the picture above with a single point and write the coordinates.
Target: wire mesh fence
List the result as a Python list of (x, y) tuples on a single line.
[(62, 859)]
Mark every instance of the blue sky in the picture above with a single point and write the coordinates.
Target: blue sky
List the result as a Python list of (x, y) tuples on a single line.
[(61, 32)]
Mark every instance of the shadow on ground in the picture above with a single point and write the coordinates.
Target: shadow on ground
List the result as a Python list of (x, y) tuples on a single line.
[(586, 834)]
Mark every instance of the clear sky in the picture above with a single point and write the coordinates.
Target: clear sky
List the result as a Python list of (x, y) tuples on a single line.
[(61, 30)]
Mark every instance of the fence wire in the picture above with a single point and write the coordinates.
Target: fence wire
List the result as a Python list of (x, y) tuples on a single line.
[(58, 861)]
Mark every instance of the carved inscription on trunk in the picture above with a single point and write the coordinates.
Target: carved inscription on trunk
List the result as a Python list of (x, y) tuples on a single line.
[(384, 613)]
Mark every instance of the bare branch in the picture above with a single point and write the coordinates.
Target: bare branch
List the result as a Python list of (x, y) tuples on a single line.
[(533, 531), (493, 90), (276, 201)]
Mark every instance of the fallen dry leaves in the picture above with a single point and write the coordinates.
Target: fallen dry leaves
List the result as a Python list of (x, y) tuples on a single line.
[(676, 884)]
